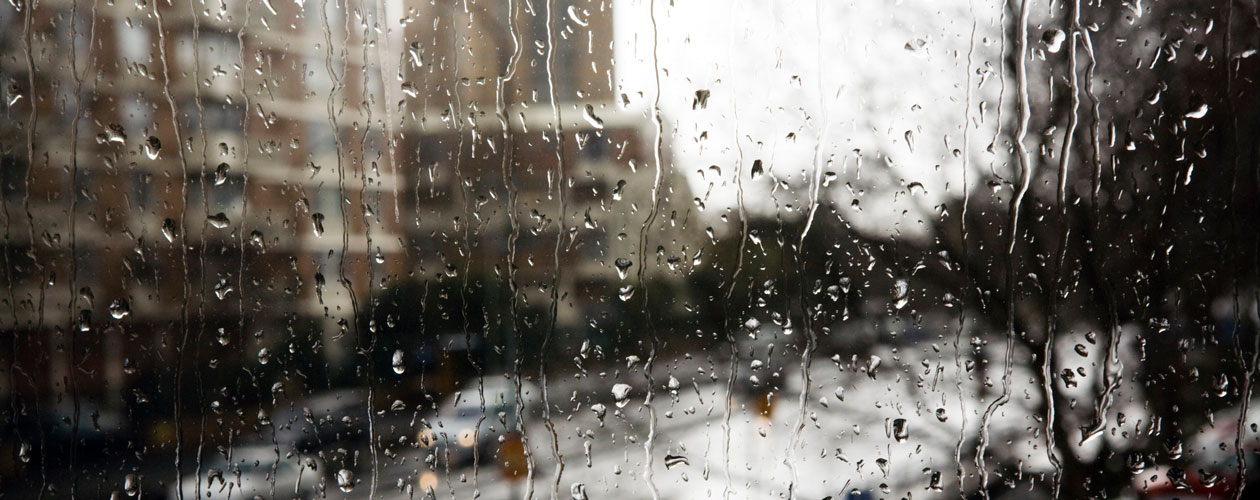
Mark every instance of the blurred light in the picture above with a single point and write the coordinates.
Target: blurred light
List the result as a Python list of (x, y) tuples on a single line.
[(426, 437), (467, 438)]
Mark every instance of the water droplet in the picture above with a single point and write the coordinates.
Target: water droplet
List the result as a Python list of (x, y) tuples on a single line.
[(219, 220), (119, 308), (900, 430), (1198, 112), (672, 461), (169, 230), (152, 148), (215, 475), (1136, 463), (757, 170), (702, 99), (221, 174), (345, 480), (621, 393), (317, 220), (1173, 447), (114, 134), (398, 362), (872, 366), (600, 411), (414, 51), (1053, 40), (626, 292), (589, 115), (264, 356), (577, 491), (24, 452), (410, 90), (901, 293), (623, 267), (131, 485)]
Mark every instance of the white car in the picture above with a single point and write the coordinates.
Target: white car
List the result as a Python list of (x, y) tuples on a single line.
[(453, 433), (253, 472)]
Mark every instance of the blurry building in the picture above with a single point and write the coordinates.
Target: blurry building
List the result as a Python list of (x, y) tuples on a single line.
[(212, 193)]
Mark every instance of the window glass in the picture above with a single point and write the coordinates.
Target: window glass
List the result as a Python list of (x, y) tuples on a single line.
[(629, 249)]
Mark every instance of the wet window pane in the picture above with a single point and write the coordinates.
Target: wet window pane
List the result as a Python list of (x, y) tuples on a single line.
[(629, 249)]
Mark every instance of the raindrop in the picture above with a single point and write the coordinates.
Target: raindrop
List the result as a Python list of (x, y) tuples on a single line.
[(397, 362), (169, 230), (221, 174), (573, 14), (131, 485), (114, 134), (264, 356), (317, 219), (1136, 463), (872, 366), (1198, 112), (621, 393), (219, 220), (1173, 447), (757, 170), (623, 267), (215, 475), (935, 483), (589, 115), (119, 308), (152, 148), (672, 461), (1053, 40), (345, 480), (702, 99), (414, 51), (901, 293), (900, 430)]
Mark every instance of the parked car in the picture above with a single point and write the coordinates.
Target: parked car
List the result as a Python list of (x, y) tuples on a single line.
[(256, 471), (458, 427)]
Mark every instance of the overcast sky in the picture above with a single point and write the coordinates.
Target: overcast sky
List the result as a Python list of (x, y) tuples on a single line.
[(783, 75)]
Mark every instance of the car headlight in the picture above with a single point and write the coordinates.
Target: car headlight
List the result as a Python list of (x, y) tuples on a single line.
[(467, 438)]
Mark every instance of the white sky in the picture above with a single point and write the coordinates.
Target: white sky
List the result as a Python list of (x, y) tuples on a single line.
[(883, 68)]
